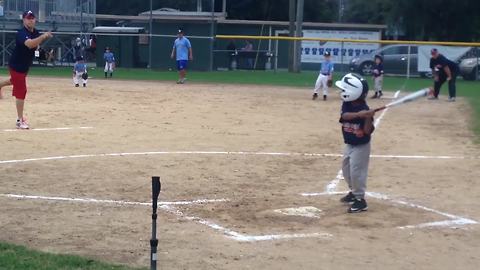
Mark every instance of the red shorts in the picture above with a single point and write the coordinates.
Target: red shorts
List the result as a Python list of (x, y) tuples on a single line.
[(19, 82)]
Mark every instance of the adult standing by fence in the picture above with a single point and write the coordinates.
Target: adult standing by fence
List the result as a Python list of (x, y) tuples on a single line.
[(182, 52), (27, 41), (443, 70)]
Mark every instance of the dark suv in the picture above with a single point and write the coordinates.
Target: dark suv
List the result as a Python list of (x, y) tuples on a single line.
[(395, 60)]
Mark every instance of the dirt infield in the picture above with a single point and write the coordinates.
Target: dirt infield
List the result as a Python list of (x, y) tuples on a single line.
[(246, 145)]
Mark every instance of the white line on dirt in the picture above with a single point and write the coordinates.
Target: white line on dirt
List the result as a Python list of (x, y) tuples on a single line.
[(239, 236), (46, 129), (452, 222), (168, 206), (99, 201), (222, 153)]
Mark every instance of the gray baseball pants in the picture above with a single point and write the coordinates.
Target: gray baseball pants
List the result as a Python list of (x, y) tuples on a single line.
[(355, 168)]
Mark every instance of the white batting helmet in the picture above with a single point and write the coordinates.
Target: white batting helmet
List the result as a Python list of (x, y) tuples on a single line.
[(353, 87)]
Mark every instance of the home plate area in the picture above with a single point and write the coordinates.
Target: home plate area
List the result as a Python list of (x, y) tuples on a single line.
[(312, 215)]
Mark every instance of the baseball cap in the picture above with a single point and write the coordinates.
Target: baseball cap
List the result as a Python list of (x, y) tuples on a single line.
[(434, 51), (28, 14), (180, 31), (326, 53)]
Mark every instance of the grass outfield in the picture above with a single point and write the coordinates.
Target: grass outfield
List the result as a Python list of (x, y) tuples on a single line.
[(15, 257)]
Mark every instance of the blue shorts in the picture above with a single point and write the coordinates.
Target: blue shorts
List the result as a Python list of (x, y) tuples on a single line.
[(182, 64)]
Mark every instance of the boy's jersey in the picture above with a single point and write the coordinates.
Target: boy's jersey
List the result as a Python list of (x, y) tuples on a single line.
[(109, 58), (379, 68), (80, 67), (352, 130), (326, 68), (182, 46)]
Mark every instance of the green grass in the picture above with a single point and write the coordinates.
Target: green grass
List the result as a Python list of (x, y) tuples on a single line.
[(13, 257)]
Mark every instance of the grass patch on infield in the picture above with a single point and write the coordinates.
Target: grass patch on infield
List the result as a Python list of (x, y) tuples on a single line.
[(306, 79), (15, 257)]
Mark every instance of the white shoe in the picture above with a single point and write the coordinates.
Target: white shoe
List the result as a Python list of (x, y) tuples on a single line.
[(22, 124), (451, 99)]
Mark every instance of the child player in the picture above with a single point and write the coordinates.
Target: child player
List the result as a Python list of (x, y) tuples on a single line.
[(357, 126), (326, 72), (80, 72), (378, 76)]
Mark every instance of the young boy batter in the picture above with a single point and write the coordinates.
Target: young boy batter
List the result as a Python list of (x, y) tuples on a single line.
[(357, 126)]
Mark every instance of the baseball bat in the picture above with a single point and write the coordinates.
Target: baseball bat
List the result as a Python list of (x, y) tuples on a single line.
[(156, 186), (408, 98)]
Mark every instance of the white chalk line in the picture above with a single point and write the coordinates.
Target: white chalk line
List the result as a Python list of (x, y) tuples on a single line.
[(243, 237), (452, 222), (100, 201), (223, 153), (46, 129), (332, 185), (167, 206)]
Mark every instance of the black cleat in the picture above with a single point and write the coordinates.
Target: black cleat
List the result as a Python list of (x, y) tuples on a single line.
[(315, 96), (375, 96), (349, 198), (359, 205), (84, 85), (77, 85), (380, 94), (324, 97)]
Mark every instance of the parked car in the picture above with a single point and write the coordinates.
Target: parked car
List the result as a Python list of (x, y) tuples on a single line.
[(395, 60), (469, 68)]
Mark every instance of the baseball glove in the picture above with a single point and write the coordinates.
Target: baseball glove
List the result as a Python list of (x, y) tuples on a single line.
[(85, 76), (330, 83)]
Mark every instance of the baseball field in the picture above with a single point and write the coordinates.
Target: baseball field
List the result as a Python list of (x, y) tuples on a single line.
[(250, 175)]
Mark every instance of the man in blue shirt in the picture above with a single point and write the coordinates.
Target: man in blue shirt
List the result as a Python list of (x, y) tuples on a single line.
[(326, 73), (27, 41), (182, 51)]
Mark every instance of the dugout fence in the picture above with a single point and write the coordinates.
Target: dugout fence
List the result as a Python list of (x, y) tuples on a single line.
[(233, 52)]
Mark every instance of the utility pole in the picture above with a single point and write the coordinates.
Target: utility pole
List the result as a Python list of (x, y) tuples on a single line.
[(298, 34), (150, 38), (291, 30)]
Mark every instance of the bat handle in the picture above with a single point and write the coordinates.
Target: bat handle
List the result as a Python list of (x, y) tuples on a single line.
[(381, 108)]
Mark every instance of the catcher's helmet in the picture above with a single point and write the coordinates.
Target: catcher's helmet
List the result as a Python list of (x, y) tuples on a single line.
[(353, 87)]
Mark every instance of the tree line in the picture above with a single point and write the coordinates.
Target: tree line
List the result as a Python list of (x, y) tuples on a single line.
[(440, 20)]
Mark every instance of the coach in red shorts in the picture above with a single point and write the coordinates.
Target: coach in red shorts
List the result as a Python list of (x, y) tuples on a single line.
[(27, 41)]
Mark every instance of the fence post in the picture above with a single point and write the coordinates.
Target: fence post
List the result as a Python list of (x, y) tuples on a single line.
[(408, 61)]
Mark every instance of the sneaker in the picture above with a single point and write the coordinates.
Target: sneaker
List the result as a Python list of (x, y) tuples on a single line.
[(380, 94), (77, 85), (179, 82), (22, 124), (324, 97), (349, 198), (451, 99), (432, 98), (84, 85), (359, 205), (315, 96), (375, 96)]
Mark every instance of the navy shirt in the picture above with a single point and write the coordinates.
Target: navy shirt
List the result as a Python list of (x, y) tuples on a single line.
[(22, 56), (353, 129), (379, 68), (441, 62)]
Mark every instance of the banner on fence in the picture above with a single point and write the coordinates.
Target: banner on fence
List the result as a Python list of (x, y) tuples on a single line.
[(312, 51)]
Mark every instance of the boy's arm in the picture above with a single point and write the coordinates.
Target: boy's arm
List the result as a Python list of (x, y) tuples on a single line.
[(190, 53), (358, 115), (368, 127)]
